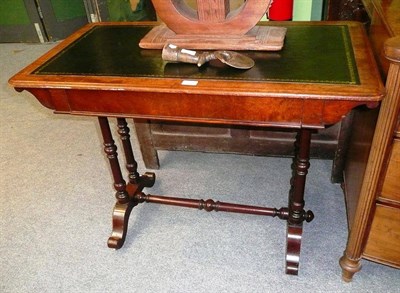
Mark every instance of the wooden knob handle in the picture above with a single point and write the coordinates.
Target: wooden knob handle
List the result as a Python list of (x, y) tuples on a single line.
[(392, 49)]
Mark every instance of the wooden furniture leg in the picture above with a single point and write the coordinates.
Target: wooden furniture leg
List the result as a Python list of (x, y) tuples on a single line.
[(125, 193), (297, 214), (129, 195), (131, 164), (111, 151)]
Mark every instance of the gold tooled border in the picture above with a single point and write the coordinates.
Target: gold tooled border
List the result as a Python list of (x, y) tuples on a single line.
[(350, 61)]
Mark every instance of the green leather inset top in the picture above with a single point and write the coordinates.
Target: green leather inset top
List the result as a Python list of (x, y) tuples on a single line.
[(311, 53)]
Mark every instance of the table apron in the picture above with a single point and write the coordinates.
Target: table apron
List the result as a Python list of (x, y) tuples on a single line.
[(211, 109)]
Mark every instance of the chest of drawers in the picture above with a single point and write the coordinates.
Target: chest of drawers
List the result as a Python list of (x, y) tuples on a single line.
[(384, 235), (372, 172)]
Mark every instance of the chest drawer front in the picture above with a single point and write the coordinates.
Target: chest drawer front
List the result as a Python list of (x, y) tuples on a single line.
[(384, 237), (391, 184)]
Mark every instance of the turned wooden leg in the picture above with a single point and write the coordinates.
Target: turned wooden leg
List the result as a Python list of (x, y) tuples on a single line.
[(296, 201), (125, 194), (131, 164), (111, 151), (123, 206), (349, 267)]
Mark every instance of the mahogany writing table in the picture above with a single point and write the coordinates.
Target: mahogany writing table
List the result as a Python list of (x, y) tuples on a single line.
[(324, 70)]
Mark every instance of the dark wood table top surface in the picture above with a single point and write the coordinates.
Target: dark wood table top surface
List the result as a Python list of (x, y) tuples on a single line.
[(324, 70)]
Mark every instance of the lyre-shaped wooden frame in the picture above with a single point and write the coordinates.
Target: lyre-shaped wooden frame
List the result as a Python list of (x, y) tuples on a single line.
[(214, 26)]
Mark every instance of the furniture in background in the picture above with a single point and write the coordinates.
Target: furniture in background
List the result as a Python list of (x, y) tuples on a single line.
[(372, 172), (306, 88), (346, 10)]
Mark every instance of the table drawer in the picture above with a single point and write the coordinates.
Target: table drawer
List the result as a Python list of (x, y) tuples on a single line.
[(391, 184), (384, 237)]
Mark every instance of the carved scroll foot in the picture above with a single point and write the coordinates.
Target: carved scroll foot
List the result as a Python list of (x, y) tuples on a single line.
[(349, 267), (293, 245), (120, 220), (122, 211)]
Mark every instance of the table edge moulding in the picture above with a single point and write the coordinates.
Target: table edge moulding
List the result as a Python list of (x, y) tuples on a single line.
[(156, 90)]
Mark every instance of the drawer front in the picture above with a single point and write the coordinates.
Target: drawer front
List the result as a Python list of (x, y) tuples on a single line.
[(391, 184), (384, 237)]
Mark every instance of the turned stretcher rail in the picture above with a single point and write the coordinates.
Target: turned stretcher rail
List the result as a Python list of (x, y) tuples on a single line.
[(211, 205)]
